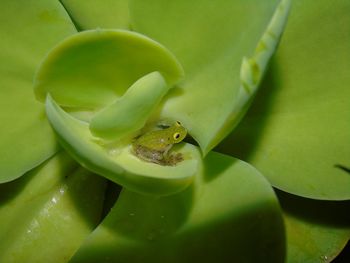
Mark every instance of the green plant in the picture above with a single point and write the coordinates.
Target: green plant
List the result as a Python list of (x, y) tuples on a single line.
[(211, 58)]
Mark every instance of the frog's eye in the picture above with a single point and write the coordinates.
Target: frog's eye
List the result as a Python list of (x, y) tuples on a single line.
[(178, 123), (176, 135)]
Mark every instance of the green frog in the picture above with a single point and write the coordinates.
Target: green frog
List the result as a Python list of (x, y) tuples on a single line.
[(154, 146)]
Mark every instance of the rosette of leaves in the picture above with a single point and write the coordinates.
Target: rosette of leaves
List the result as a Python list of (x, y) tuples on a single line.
[(199, 62)]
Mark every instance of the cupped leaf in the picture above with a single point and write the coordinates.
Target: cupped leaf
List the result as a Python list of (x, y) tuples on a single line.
[(45, 215), (298, 131), (130, 113), (317, 230), (28, 29), (210, 39), (93, 68), (117, 162), (218, 219)]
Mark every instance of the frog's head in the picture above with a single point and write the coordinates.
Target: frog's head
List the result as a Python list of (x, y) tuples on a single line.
[(177, 132)]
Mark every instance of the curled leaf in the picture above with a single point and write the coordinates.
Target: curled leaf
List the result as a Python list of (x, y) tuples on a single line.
[(129, 113), (117, 162)]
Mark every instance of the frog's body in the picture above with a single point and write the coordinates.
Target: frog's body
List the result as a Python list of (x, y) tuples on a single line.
[(154, 146)]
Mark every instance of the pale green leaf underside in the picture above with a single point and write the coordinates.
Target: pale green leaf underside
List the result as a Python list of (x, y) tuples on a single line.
[(317, 231), (28, 29), (46, 214), (218, 219), (298, 131), (117, 162)]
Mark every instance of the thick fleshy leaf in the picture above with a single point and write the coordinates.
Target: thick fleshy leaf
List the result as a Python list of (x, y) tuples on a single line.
[(91, 69), (230, 214), (210, 39), (28, 29), (298, 131), (45, 215), (130, 113), (117, 162), (91, 14), (317, 231)]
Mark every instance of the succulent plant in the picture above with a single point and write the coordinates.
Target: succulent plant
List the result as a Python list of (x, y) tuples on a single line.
[(259, 86)]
